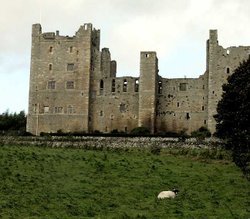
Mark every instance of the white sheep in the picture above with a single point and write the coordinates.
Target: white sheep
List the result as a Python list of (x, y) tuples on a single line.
[(168, 194)]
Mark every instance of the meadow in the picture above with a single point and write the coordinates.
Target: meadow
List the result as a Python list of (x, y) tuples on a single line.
[(43, 182)]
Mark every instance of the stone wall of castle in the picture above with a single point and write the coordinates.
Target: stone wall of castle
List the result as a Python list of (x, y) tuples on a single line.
[(74, 88)]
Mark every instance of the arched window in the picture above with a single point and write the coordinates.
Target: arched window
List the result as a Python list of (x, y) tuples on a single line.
[(50, 67), (227, 70), (125, 85)]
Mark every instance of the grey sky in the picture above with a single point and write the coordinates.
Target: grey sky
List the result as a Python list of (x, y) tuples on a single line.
[(176, 30)]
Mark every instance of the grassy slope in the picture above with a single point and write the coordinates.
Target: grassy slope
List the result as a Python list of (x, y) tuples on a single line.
[(73, 183)]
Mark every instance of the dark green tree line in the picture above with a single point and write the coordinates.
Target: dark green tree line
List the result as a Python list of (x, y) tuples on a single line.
[(12, 122)]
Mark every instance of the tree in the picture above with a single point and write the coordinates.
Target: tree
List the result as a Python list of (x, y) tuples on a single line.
[(233, 115), (12, 122)]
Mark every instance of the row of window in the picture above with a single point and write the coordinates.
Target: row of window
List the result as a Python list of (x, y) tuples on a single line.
[(70, 49), (68, 85), (59, 110), (69, 67), (56, 109), (124, 86), (182, 87)]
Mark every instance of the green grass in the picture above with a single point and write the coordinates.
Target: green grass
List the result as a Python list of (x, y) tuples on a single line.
[(76, 183)]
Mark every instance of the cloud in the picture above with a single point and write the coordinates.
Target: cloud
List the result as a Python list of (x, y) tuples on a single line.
[(176, 30)]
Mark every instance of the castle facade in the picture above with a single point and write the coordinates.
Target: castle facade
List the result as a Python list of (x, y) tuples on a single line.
[(74, 88)]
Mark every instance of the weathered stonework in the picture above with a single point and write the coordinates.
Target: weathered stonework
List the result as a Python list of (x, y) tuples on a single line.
[(74, 88)]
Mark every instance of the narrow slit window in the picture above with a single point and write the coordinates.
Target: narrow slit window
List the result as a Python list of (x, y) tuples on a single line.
[(51, 49), (187, 116), (71, 49), (113, 86), (136, 85), (125, 85), (228, 70), (160, 87), (101, 86), (50, 67)]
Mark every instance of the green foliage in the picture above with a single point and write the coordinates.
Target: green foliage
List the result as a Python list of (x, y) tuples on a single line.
[(39, 182), (12, 123), (183, 136), (140, 131), (201, 133), (233, 116)]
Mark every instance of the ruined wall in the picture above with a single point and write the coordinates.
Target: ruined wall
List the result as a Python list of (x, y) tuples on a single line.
[(221, 63), (74, 88), (115, 105), (181, 104)]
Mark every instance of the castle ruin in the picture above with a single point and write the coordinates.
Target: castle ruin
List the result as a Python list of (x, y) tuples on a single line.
[(74, 88)]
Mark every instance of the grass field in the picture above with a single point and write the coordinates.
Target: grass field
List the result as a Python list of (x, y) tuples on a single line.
[(76, 183)]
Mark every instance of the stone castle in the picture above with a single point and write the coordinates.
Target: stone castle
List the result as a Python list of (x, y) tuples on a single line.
[(74, 88)]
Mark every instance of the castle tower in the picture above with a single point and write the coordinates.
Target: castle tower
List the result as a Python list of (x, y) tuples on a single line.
[(147, 90), (61, 67), (214, 83)]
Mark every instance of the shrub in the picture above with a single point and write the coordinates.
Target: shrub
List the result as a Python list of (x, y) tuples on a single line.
[(183, 136), (201, 133), (140, 131)]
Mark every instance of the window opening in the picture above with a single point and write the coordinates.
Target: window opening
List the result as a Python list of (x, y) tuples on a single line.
[(101, 86), (50, 67), (122, 108), (187, 116), (46, 109), (70, 109), (51, 85), (113, 86), (183, 86), (70, 84), (136, 85), (70, 66), (125, 85), (159, 87), (58, 109)]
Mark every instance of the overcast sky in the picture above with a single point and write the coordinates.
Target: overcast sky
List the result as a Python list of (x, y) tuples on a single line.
[(176, 29)]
